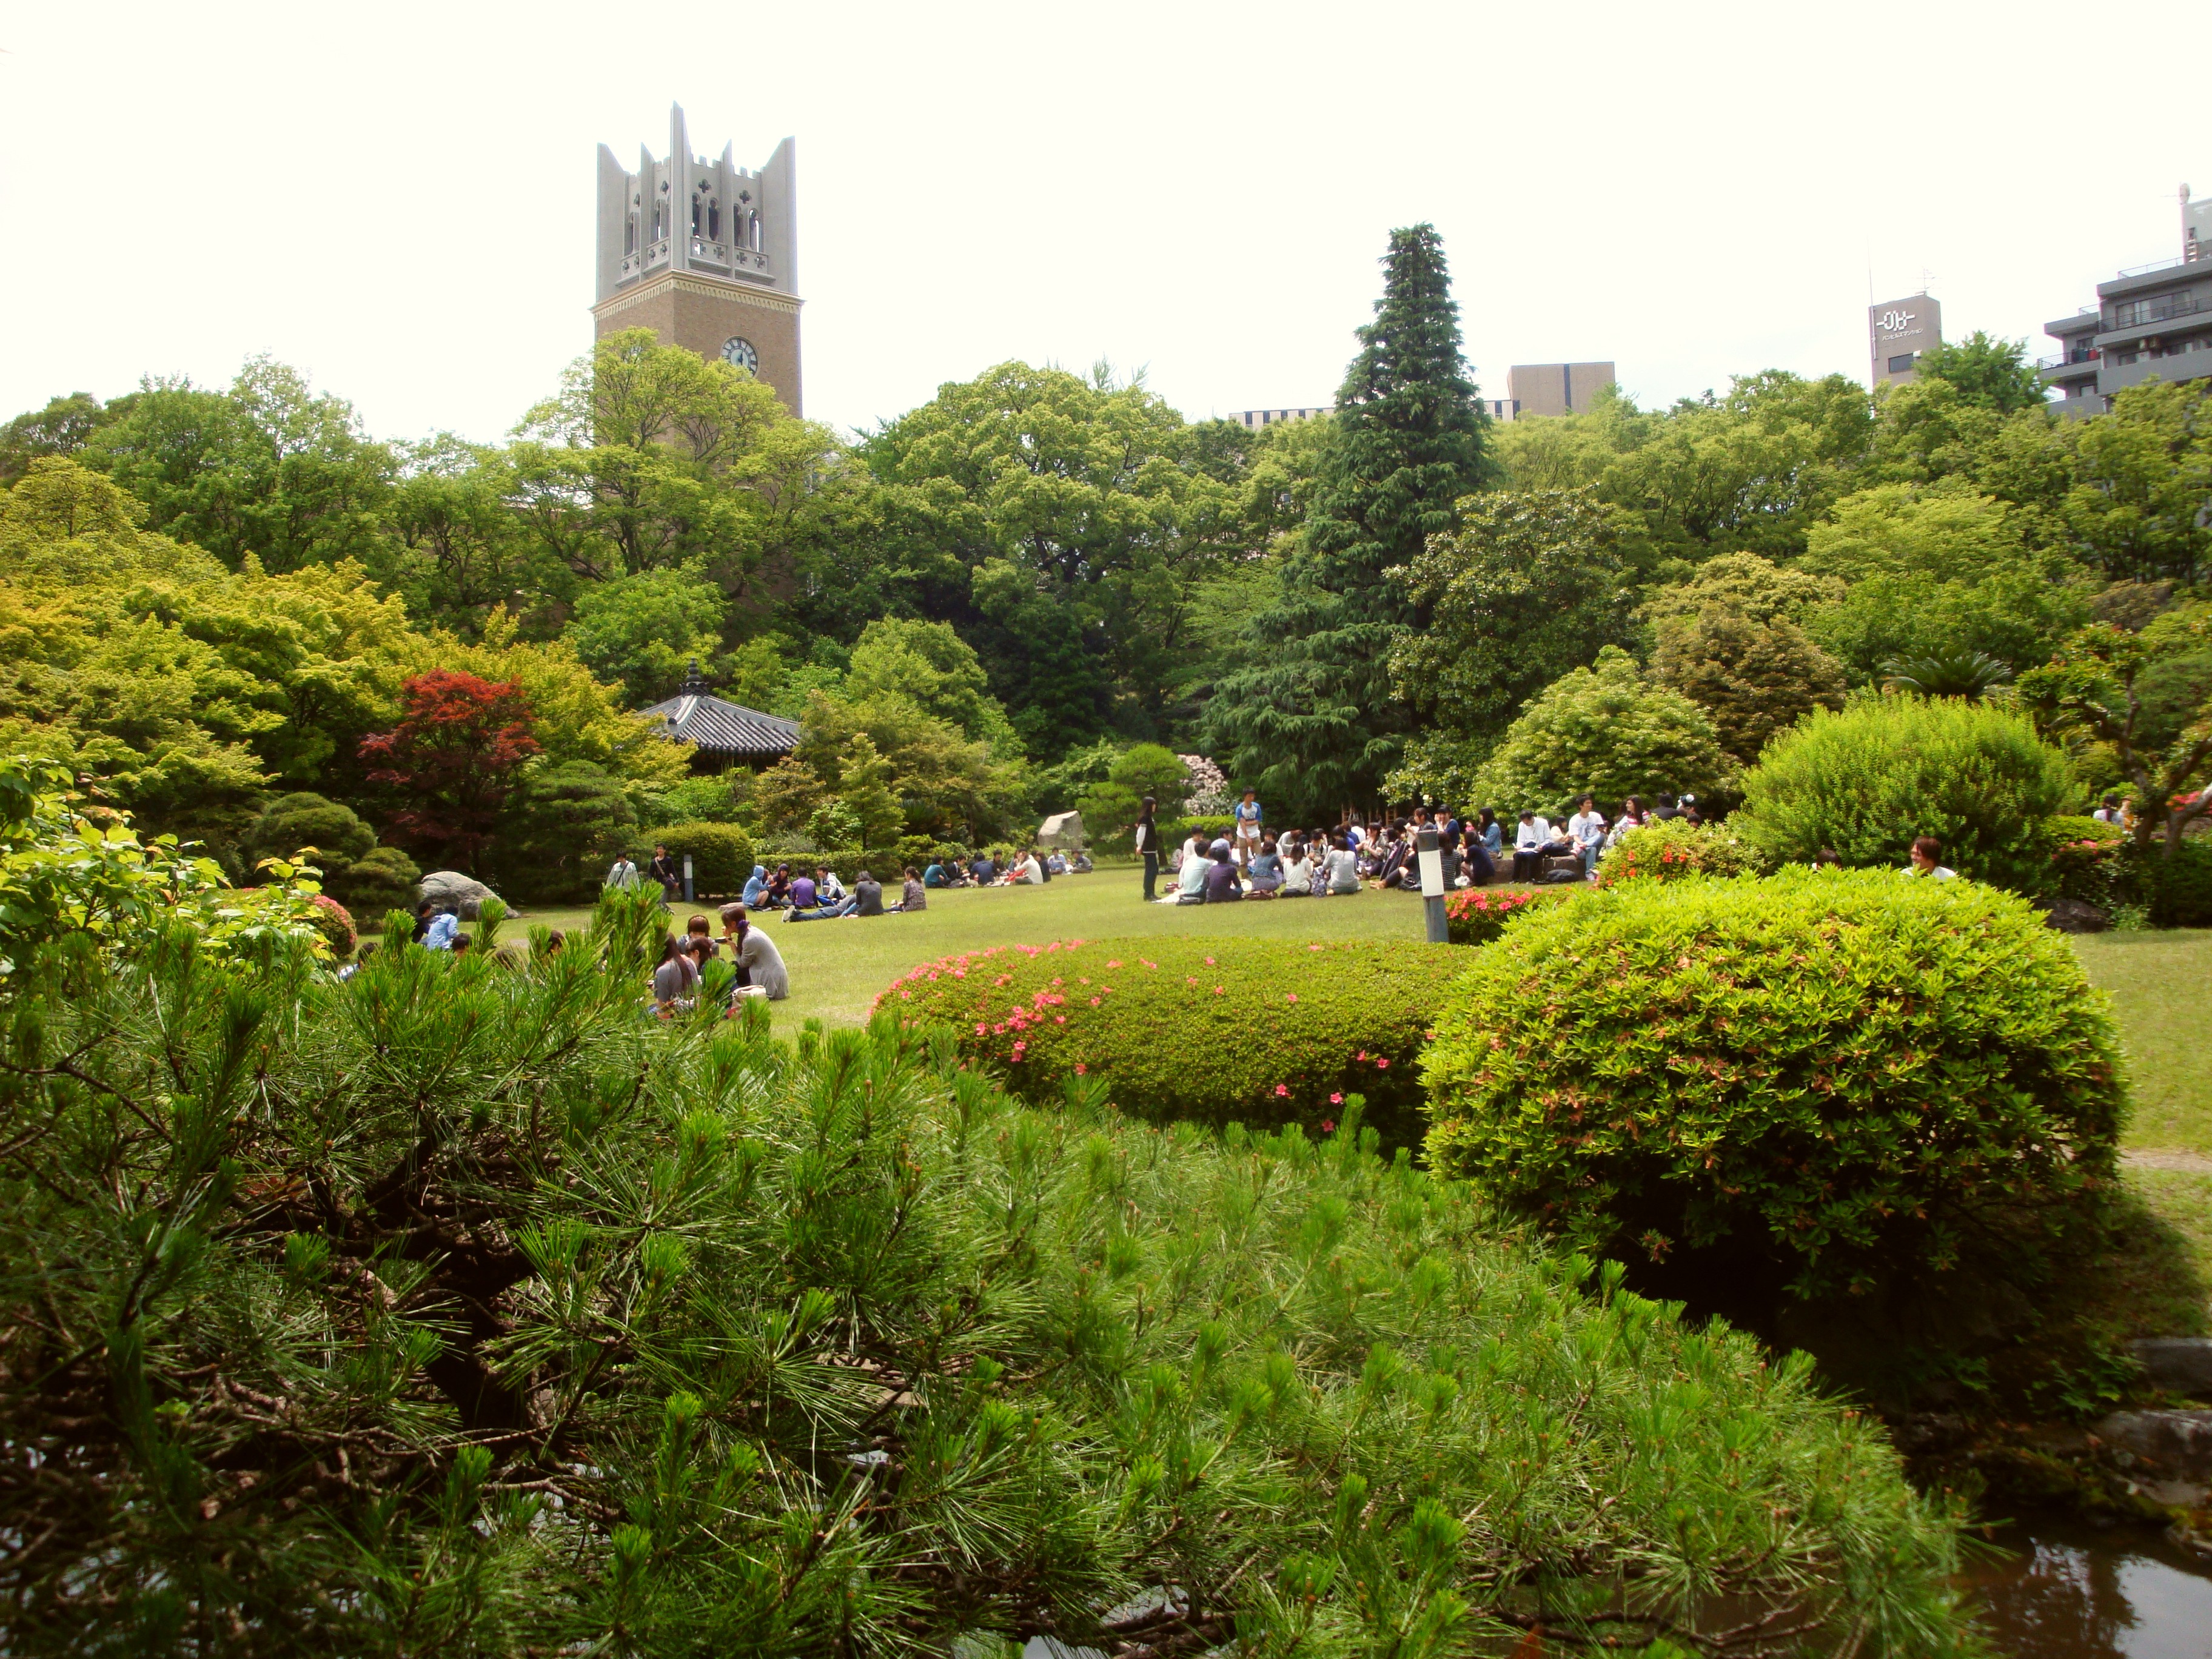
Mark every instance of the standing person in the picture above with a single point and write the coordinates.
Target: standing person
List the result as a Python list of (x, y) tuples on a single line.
[(663, 870), (1665, 809), (1586, 829), (758, 960), (1248, 827), (1148, 844), (623, 876)]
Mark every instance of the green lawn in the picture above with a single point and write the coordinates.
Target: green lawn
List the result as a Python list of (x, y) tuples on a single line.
[(837, 967), (2162, 988)]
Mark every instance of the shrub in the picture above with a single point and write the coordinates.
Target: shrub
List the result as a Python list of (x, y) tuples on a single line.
[(1830, 1070), (337, 833), (1175, 831), (1213, 1031), (2176, 891), (560, 831), (1666, 849), (1606, 731), (384, 880), (2086, 861), (335, 924), (797, 1345), (1867, 781), (721, 855), (1477, 916)]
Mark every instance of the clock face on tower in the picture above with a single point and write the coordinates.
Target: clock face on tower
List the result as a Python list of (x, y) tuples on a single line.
[(739, 353)]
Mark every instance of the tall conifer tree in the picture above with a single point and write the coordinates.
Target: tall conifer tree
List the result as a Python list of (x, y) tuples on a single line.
[(1312, 720)]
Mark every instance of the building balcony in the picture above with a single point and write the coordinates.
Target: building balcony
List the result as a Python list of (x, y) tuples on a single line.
[(2081, 357), (2180, 366)]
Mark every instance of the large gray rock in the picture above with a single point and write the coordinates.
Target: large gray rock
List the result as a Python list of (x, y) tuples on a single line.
[(2073, 916), (2177, 1446), (2179, 1364), (449, 890)]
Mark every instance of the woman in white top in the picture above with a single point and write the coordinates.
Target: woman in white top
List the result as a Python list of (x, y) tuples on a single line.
[(1028, 873), (759, 964), (1343, 868), (1297, 873)]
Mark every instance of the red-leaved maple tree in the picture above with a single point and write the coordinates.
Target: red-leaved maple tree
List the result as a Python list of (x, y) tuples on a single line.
[(453, 757)]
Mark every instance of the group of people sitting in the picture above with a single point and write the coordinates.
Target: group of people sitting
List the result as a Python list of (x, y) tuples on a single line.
[(1472, 851), (817, 895), (759, 969), (1004, 868)]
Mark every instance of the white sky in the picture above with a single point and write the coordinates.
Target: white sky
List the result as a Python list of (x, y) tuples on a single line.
[(398, 197)]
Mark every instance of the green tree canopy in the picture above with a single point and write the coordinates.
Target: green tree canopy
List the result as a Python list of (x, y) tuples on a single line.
[(937, 670), (644, 630), (1606, 731), (1991, 374), (1310, 715)]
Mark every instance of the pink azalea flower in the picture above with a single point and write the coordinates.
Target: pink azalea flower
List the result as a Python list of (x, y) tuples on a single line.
[(1209, 962), (1336, 1100), (1094, 1003), (1220, 991), (1383, 1064), (1113, 964), (1081, 1068), (1328, 1125), (1292, 997), (1282, 1090)]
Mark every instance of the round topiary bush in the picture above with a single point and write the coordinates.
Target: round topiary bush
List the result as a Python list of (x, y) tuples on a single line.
[(1477, 916), (382, 880), (1867, 781), (335, 925), (1828, 1073), (1667, 849), (1213, 1031)]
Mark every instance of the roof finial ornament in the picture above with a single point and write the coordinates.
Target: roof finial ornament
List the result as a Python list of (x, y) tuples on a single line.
[(695, 682)]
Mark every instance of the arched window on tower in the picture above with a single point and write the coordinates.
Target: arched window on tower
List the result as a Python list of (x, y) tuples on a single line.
[(629, 234), (714, 221), (753, 231), (695, 216)]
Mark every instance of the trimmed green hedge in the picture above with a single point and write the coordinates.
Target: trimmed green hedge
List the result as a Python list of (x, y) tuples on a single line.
[(2094, 863), (1666, 849), (1477, 916), (1213, 1031), (1835, 1072), (721, 855)]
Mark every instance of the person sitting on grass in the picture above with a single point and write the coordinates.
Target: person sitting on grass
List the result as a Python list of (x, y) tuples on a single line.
[(1025, 872), (696, 928), (828, 890), (1267, 869), (935, 875), (1342, 872), (760, 965), (983, 870), (1056, 863), (867, 895), (778, 888), (914, 896), (1190, 880), (803, 894), (673, 979), (756, 886), (1297, 873), (1220, 883)]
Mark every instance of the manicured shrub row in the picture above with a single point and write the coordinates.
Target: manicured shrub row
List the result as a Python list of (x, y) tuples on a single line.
[(1210, 1031), (1832, 1071), (721, 855), (1477, 916), (1667, 849), (1867, 781)]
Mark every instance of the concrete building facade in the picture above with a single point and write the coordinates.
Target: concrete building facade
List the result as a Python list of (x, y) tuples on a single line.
[(1260, 418), (2154, 322), (1898, 332), (705, 254), (1551, 389)]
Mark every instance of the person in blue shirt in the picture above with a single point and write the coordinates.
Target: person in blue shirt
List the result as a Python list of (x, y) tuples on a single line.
[(935, 875), (445, 927), (985, 872), (755, 885)]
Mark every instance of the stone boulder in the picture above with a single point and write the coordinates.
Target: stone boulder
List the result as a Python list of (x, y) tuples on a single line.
[(449, 890), (2074, 916), (2167, 1455), (2179, 1364)]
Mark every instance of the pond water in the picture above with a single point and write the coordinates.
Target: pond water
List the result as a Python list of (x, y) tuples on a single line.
[(2064, 1591)]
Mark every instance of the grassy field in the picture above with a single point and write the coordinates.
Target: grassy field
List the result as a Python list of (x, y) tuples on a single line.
[(2162, 988), (837, 967)]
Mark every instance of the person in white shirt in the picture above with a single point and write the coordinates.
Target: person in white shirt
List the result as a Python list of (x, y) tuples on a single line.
[(1297, 873), (625, 874), (1190, 880), (1928, 861), (1586, 829), (1529, 846), (1343, 868), (1028, 873)]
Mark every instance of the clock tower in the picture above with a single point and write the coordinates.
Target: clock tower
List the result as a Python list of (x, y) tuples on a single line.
[(704, 254)]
